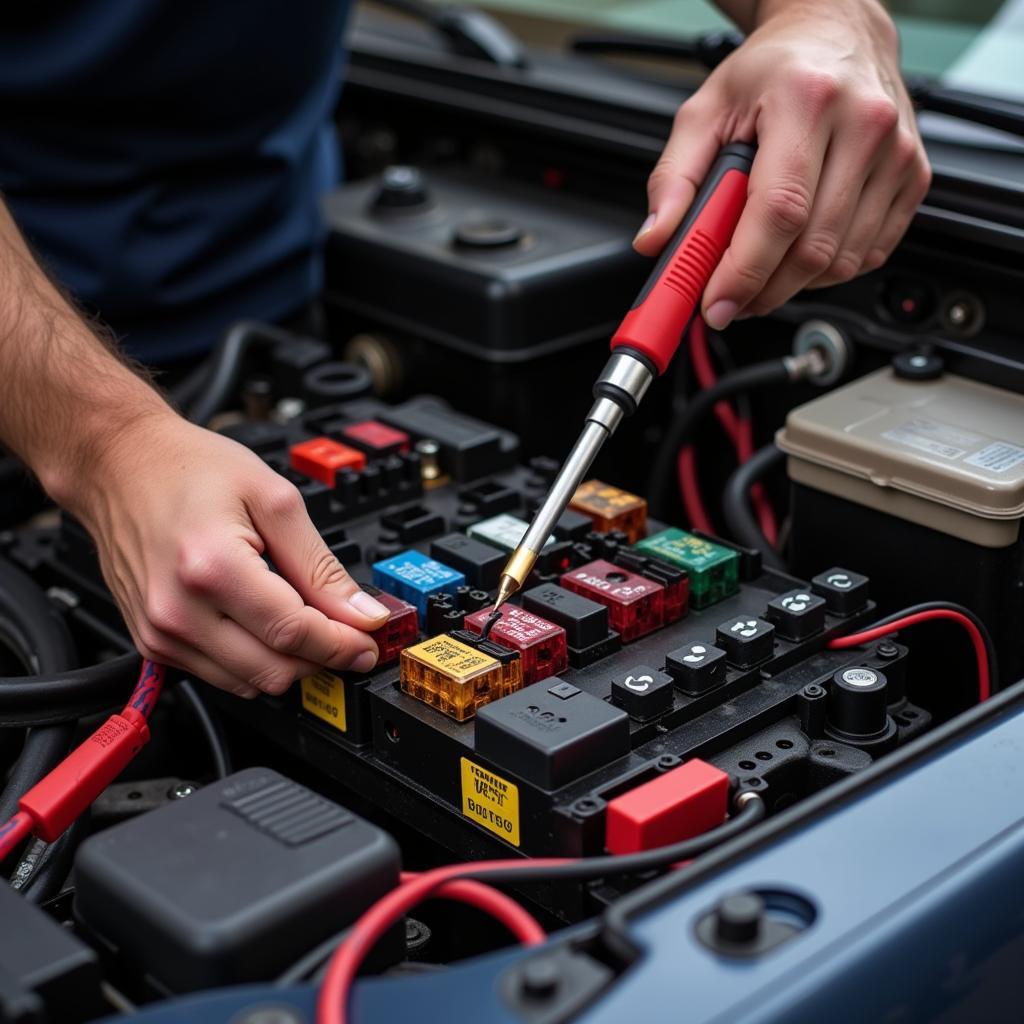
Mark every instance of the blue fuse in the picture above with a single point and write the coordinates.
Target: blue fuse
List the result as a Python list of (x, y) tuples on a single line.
[(413, 577)]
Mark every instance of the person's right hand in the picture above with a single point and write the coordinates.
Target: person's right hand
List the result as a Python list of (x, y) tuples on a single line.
[(181, 517)]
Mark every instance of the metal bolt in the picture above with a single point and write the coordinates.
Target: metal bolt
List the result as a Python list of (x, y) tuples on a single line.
[(417, 935), (887, 649), (586, 805), (958, 314), (180, 790), (430, 468), (744, 797), (288, 409)]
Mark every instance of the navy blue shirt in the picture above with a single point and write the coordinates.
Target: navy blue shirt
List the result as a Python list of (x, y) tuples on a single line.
[(166, 158)]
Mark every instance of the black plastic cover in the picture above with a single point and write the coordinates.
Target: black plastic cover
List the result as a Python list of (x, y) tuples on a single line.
[(548, 738), (233, 883), (43, 965)]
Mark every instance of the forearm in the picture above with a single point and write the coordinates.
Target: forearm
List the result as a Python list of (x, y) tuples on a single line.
[(65, 396)]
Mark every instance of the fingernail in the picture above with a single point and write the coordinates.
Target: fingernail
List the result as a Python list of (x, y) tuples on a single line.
[(366, 605), (720, 314), (364, 662), (645, 227)]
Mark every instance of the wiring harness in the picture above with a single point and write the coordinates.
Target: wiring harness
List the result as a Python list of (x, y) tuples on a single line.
[(53, 804)]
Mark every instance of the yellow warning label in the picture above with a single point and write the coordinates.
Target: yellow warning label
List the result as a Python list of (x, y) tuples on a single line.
[(323, 695), (490, 801), (455, 659)]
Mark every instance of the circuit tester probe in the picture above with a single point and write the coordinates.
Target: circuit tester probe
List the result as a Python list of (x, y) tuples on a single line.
[(645, 342)]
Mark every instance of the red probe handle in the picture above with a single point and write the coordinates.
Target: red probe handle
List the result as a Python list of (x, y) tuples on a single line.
[(664, 308)]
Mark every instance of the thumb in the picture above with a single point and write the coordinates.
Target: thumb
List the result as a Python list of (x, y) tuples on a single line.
[(304, 560), (684, 163)]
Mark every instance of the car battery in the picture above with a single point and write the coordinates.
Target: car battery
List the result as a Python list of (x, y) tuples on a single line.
[(921, 484), (487, 291)]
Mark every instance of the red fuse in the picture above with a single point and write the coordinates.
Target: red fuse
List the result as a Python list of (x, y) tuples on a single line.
[(400, 631), (680, 804), (541, 644), (636, 605), (321, 458), (376, 439)]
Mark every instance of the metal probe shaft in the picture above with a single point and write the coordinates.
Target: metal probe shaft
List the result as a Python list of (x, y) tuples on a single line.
[(619, 388)]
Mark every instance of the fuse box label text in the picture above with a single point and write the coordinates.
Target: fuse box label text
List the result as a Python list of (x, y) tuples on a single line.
[(491, 801), (323, 695)]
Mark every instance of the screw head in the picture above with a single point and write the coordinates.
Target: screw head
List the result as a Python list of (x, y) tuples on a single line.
[(540, 979), (887, 649), (180, 790), (739, 916), (813, 691)]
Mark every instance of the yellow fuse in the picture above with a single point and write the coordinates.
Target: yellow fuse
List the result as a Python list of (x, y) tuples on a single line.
[(455, 678), (611, 509)]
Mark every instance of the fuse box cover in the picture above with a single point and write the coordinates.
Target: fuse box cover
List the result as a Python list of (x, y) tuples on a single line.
[(945, 453)]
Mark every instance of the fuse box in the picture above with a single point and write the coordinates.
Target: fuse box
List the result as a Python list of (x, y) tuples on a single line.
[(632, 652)]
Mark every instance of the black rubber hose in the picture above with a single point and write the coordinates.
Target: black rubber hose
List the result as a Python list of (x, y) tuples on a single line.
[(225, 366), (39, 636), (736, 503), (748, 378), (209, 725), (67, 696)]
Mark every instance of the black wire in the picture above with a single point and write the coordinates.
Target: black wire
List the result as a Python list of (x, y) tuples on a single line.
[(749, 378), (40, 637), (589, 868), (66, 696), (311, 960), (930, 606), (721, 353), (736, 503), (210, 726), (225, 364), (51, 869)]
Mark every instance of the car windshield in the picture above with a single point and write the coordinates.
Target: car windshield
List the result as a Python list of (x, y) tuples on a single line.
[(971, 44)]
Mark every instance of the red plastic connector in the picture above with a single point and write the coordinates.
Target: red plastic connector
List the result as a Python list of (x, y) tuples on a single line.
[(321, 458), (680, 804), (55, 802)]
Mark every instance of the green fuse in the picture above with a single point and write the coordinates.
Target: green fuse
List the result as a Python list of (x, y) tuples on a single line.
[(713, 569)]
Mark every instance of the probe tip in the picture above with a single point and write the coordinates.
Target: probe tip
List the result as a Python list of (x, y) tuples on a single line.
[(506, 588)]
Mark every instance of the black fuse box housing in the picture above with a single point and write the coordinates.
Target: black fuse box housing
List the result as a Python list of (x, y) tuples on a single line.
[(233, 883)]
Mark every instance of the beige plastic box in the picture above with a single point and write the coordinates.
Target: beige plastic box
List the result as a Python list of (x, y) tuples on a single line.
[(947, 454)]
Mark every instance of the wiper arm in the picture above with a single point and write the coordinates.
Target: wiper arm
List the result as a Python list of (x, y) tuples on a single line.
[(470, 32)]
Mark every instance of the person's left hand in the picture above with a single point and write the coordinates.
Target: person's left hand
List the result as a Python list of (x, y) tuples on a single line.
[(840, 168)]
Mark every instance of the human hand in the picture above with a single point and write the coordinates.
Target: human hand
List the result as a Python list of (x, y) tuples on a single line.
[(840, 167), (181, 517)]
